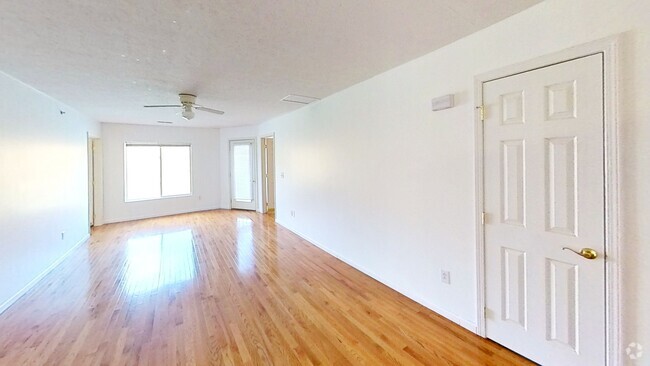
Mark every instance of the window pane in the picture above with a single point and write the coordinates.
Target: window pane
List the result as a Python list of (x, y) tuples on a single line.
[(242, 174), (142, 172), (175, 170)]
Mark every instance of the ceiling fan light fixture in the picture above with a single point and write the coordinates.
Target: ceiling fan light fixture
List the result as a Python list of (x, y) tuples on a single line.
[(188, 113), (187, 106)]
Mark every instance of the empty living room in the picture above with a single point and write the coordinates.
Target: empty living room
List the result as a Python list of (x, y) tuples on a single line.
[(323, 182)]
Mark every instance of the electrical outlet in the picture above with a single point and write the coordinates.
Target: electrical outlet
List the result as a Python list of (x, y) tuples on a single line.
[(63, 235), (293, 213), (281, 174), (445, 277)]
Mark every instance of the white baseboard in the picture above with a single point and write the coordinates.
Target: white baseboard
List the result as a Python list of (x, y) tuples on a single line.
[(471, 326), (4, 306)]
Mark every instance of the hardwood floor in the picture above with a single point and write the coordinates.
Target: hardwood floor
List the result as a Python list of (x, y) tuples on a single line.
[(224, 287)]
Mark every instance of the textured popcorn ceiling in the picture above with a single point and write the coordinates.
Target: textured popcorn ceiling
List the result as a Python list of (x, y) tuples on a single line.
[(107, 58)]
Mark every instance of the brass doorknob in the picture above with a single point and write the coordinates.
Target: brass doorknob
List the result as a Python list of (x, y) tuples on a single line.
[(585, 252)]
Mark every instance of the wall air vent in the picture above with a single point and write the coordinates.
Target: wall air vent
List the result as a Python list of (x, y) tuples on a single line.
[(165, 122), (300, 99)]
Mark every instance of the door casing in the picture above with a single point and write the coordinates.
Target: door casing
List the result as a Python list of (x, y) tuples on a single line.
[(264, 167), (91, 181), (608, 47)]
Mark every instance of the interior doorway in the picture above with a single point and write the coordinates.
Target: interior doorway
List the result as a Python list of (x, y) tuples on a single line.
[(95, 189), (91, 183), (547, 208), (268, 174)]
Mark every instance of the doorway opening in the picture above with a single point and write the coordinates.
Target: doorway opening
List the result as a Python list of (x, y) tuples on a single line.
[(91, 183), (547, 186), (95, 193), (268, 175)]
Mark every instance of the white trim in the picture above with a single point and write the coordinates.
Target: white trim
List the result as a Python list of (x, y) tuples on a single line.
[(609, 48), (98, 176), (262, 177), (612, 239), (480, 208), (450, 316), (90, 160), (263, 166), (4, 306)]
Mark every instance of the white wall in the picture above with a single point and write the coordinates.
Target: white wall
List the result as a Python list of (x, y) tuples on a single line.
[(205, 170), (378, 179), (43, 184)]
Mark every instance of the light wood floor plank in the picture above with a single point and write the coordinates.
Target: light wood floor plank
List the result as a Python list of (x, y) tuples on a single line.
[(224, 288)]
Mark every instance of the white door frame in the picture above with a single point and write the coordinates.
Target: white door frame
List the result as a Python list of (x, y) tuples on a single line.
[(253, 169), (91, 181), (609, 48), (263, 167)]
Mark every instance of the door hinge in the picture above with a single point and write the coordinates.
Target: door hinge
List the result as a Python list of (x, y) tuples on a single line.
[(481, 112), (483, 218)]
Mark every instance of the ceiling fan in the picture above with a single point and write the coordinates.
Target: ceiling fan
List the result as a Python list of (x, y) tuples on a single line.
[(188, 105)]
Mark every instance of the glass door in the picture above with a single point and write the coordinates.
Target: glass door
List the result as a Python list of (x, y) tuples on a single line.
[(242, 174)]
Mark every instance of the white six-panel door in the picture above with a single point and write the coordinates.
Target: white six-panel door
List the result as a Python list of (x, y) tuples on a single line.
[(544, 191)]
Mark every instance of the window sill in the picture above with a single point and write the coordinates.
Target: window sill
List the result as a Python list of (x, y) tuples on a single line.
[(158, 198)]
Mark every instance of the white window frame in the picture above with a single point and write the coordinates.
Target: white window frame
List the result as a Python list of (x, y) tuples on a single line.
[(127, 144)]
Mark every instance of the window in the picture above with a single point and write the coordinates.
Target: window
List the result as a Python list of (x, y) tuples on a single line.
[(156, 171)]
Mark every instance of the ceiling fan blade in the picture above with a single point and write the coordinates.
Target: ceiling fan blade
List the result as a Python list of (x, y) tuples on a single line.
[(163, 106), (206, 109)]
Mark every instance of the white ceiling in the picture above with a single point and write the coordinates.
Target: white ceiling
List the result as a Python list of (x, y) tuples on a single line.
[(108, 58)]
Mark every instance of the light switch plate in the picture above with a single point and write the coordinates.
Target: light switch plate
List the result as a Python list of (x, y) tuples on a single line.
[(445, 277)]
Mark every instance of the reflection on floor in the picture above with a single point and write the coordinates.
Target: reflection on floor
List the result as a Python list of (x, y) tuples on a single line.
[(245, 249), (159, 260), (224, 287)]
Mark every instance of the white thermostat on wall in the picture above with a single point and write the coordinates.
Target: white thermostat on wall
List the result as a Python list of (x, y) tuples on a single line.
[(443, 102)]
